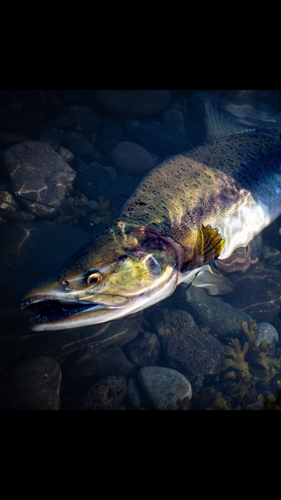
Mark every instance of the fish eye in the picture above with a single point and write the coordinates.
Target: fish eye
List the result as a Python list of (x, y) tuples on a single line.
[(93, 278)]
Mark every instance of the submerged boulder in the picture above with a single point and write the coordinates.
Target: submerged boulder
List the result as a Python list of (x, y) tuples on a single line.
[(40, 177)]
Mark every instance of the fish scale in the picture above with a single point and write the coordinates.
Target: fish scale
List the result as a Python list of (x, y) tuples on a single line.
[(214, 184)]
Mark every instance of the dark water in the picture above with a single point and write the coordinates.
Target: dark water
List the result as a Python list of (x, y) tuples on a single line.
[(199, 336)]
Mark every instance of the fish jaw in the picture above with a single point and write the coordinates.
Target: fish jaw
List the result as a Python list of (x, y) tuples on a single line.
[(118, 273)]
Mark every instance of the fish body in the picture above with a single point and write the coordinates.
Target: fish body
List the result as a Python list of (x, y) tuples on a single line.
[(191, 211)]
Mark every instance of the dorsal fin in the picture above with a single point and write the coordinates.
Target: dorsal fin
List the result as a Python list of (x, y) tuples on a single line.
[(218, 122), (208, 246)]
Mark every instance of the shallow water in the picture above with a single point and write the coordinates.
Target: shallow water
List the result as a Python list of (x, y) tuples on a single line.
[(191, 332)]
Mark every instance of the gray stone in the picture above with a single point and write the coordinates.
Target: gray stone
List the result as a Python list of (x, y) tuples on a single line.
[(215, 313), (145, 350), (186, 347), (269, 333), (130, 158), (33, 384), (105, 394), (164, 388), (40, 178)]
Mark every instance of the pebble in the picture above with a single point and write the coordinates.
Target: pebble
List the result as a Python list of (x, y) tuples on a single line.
[(33, 384), (185, 346), (130, 158), (215, 313), (161, 139), (78, 144), (145, 350), (40, 178), (267, 332), (105, 394), (79, 115), (164, 387), (65, 153), (132, 103)]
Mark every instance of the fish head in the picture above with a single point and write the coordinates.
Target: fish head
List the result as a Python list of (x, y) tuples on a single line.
[(117, 273)]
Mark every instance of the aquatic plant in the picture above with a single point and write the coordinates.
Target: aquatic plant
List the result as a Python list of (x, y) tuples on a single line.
[(104, 212), (250, 330), (273, 403), (236, 355), (211, 399), (79, 205)]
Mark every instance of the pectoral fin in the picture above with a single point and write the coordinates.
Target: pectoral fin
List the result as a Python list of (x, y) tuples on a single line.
[(208, 246), (213, 281)]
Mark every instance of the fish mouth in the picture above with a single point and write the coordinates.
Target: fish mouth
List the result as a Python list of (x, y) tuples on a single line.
[(57, 314)]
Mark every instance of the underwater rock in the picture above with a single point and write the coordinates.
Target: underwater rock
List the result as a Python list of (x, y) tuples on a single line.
[(186, 347), (40, 177), (132, 103), (164, 387), (174, 118), (269, 333), (134, 397), (77, 144), (7, 201), (33, 384), (79, 114), (130, 158), (145, 350), (105, 356), (213, 312), (271, 255), (109, 134), (64, 122), (105, 394), (65, 153), (161, 139), (52, 136), (96, 363), (259, 293), (93, 180)]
